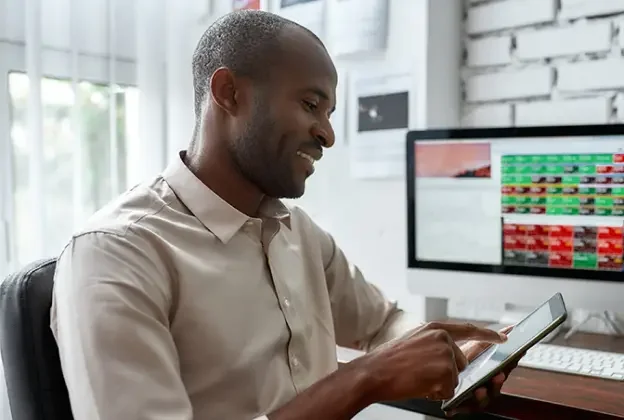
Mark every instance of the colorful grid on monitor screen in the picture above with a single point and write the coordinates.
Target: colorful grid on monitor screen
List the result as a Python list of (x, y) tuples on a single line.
[(563, 184), (564, 246)]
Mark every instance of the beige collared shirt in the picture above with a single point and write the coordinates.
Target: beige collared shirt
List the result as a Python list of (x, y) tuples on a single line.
[(171, 304)]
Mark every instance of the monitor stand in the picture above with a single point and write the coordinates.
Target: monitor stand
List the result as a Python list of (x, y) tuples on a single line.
[(606, 317)]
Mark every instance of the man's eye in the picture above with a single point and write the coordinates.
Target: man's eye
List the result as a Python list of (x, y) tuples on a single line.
[(309, 105)]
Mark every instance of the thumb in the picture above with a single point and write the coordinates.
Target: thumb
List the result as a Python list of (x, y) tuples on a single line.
[(474, 348)]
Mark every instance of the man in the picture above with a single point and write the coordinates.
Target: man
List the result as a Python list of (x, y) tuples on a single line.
[(199, 295)]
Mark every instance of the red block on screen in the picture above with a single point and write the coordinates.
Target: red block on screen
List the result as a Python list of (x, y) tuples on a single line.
[(536, 230), (537, 244), (560, 231), (605, 247), (606, 232), (514, 243), (610, 247), (610, 262), (559, 259), (510, 229), (510, 243), (561, 244)]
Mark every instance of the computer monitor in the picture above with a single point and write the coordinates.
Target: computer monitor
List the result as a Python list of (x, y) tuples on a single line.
[(516, 214)]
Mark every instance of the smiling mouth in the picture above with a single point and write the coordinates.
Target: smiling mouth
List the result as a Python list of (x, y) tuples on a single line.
[(306, 157)]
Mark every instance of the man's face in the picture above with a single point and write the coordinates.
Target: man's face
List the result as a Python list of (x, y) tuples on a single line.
[(288, 124)]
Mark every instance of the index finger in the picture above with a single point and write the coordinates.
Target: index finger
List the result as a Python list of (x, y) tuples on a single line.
[(472, 332), (507, 329)]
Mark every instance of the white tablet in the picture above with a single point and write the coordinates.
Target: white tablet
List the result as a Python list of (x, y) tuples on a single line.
[(528, 332)]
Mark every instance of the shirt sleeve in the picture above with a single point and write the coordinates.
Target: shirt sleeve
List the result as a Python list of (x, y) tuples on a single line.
[(110, 318), (363, 316)]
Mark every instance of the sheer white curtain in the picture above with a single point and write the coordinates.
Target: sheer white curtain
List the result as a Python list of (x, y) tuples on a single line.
[(95, 96), (72, 96)]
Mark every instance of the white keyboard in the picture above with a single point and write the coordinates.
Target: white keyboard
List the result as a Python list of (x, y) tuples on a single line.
[(575, 361)]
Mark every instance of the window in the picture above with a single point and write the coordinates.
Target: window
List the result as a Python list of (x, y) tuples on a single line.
[(75, 178)]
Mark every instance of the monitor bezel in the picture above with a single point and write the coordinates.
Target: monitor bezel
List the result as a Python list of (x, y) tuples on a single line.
[(459, 134)]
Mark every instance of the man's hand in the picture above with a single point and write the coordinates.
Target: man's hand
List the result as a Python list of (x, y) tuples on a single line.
[(425, 364), (484, 395)]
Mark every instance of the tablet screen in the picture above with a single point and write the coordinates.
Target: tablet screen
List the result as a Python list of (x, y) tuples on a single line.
[(490, 359)]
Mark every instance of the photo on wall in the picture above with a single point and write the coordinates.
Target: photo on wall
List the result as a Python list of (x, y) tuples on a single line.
[(288, 3), (383, 112), (453, 160), (246, 5)]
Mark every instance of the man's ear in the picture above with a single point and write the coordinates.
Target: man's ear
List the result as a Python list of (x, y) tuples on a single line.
[(223, 90)]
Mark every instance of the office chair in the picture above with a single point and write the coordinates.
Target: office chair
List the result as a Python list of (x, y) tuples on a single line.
[(35, 385)]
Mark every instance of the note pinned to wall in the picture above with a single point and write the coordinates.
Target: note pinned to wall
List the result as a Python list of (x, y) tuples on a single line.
[(357, 26), (379, 118), (307, 13)]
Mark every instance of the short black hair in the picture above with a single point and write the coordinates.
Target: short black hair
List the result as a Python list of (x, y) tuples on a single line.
[(244, 41)]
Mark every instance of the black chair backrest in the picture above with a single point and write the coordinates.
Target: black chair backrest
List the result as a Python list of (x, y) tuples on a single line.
[(32, 368)]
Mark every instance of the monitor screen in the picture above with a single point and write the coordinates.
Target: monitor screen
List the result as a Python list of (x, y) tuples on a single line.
[(535, 201)]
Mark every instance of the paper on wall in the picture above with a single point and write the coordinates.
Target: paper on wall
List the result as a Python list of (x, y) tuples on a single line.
[(379, 118), (249, 5), (355, 26), (307, 13)]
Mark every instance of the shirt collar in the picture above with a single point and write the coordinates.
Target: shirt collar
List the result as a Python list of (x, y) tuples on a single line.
[(213, 212)]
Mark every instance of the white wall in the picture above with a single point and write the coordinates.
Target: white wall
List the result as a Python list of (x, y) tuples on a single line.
[(544, 62), (541, 62), (369, 217)]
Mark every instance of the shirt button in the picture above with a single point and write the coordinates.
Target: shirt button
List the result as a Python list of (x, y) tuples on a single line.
[(286, 302), (294, 361)]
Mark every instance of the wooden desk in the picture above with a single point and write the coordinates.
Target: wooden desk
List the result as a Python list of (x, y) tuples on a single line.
[(535, 395)]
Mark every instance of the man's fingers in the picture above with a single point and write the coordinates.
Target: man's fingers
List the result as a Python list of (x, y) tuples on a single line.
[(474, 348), (459, 332), (481, 395), (460, 358), (499, 379), (506, 330), (479, 400)]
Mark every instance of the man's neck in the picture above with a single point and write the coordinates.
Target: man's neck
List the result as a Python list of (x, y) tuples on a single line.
[(220, 175)]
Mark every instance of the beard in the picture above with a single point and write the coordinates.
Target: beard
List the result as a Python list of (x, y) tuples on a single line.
[(258, 153)]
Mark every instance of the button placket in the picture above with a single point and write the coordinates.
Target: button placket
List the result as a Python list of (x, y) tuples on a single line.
[(253, 227)]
